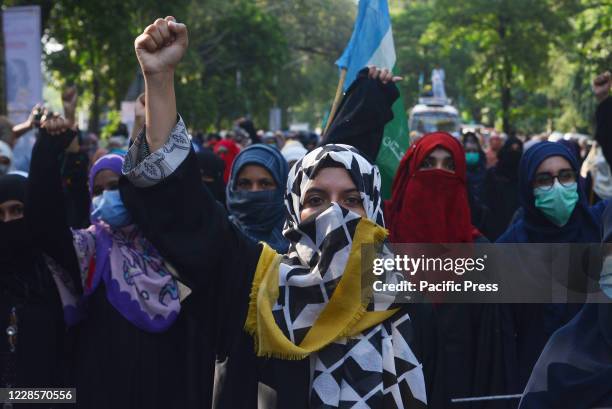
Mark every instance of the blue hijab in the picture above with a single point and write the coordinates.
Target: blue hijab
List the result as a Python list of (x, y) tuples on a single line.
[(532, 226), (260, 215)]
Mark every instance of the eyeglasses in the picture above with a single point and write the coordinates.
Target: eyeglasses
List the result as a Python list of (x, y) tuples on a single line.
[(546, 180)]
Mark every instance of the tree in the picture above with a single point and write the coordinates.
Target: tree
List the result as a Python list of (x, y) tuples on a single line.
[(316, 32), (96, 48), (245, 55), (511, 43)]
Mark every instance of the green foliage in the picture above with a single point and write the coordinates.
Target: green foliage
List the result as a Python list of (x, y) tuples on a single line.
[(245, 56), (525, 63), (233, 59), (112, 124), (96, 55)]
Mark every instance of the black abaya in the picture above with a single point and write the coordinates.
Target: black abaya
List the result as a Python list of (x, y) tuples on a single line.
[(117, 365)]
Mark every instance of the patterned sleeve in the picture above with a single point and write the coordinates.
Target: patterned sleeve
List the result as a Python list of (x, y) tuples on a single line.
[(85, 249), (145, 169)]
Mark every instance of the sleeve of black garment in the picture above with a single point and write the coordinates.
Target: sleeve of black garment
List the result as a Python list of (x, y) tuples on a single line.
[(45, 205), (192, 231), (362, 115), (603, 127), (74, 179)]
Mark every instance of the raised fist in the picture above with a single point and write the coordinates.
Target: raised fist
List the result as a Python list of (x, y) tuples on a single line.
[(161, 46), (56, 125)]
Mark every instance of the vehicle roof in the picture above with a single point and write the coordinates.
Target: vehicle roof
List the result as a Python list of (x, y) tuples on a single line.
[(446, 109)]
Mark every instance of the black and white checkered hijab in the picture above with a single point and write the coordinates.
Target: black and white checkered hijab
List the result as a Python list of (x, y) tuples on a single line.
[(377, 368), (365, 176)]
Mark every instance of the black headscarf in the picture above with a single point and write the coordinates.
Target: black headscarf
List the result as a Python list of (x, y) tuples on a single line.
[(501, 190), (475, 177), (12, 187), (508, 158), (18, 261), (212, 166)]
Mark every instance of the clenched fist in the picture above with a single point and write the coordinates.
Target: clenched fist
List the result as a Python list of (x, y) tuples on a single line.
[(161, 46), (56, 125)]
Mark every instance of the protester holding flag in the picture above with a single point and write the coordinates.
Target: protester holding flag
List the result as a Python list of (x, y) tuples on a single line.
[(303, 309), (365, 109)]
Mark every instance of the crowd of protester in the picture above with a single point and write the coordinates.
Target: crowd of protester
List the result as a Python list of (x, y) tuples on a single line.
[(178, 269)]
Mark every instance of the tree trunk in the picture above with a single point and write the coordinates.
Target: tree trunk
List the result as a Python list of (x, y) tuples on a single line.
[(94, 110), (506, 100), (505, 76), (3, 108)]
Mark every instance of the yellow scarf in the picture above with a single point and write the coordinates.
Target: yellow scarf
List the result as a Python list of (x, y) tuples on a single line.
[(344, 315)]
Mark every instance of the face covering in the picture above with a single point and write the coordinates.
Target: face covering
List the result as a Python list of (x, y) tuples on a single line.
[(257, 210), (260, 215), (440, 215), (472, 158), (558, 202), (605, 279), (109, 208), (4, 168), (217, 189), (19, 238)]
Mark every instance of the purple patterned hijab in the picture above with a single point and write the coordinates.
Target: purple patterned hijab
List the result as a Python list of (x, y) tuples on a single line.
[(137, 282), (110, 162)]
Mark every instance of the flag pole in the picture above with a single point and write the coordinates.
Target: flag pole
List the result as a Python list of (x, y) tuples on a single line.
[(337, 99)]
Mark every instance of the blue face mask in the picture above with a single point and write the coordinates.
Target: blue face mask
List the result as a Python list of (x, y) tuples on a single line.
[(558, 202), (108, 207)]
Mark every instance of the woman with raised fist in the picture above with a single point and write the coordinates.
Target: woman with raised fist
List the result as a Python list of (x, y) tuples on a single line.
[(132, 344), (326, 347)]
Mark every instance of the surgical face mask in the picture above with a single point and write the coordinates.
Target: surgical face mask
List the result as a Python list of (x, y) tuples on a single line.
[(605, 279), (472, 158), (557, 202), (4, 168), (108, 207)]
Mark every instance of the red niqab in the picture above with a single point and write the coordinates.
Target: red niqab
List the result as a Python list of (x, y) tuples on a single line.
[(430, 206)]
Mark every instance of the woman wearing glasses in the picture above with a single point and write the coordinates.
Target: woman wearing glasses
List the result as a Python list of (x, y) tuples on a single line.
[(553, 204), (553, 209)]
